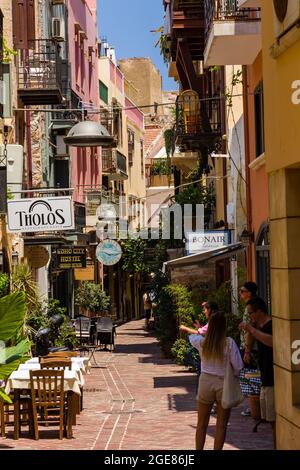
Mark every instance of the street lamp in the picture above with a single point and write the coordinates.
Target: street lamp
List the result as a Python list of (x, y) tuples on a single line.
[(89, 134)]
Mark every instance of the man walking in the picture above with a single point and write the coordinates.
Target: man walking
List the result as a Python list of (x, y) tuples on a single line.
[(262, 332)]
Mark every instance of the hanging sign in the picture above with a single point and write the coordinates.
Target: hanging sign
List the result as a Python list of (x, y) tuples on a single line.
[(85, 274), (49, 214), (37, 256), (69, 257), (197, 242)]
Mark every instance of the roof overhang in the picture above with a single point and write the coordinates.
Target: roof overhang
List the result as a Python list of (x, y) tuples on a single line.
[(215, 254)]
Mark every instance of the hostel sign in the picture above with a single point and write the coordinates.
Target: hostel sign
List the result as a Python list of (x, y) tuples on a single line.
[(197, 242), (49, 214), (69, 257)]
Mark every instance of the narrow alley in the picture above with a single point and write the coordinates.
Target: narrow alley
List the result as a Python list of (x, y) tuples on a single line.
[(136, 400)]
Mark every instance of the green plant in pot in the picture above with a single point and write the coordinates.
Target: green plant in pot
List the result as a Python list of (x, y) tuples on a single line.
[(92, 299)]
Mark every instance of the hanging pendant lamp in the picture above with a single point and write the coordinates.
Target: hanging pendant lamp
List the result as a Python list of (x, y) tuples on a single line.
[(89, 134)]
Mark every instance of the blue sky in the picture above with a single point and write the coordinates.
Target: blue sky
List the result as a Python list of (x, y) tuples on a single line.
[(127, 25)]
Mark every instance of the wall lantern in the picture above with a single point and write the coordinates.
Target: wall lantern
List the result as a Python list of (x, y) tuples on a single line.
[(89, 134), (246, 236)]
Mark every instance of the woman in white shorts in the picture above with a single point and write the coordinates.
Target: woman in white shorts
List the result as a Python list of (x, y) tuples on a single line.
[(213, 350)]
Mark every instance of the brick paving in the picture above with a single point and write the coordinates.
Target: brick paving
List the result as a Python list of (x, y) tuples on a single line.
[(137, 400)]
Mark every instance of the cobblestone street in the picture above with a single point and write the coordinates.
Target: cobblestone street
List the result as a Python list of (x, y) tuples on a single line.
[(137, 400)]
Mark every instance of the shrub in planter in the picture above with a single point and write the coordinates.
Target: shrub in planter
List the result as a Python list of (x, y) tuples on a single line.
[(92, 298), (174, 307)]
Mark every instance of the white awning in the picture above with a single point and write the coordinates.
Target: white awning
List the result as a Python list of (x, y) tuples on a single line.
[(209, 255)]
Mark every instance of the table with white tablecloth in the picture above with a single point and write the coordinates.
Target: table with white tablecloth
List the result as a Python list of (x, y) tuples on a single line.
[(82, 362), (20, 380)]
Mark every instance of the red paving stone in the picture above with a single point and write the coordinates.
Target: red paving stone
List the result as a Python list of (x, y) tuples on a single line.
[(134, 398)]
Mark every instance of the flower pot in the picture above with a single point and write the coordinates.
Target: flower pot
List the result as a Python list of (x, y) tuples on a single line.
[(254, 404)]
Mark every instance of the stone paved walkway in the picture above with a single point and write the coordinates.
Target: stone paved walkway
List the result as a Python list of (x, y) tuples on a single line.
[(138, 400)]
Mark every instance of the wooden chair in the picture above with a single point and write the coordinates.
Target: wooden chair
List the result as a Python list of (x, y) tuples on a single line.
[(48, 400), (7, 411), (56, 363), (62, 354)]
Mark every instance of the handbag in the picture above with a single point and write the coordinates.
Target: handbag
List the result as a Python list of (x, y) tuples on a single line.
[(232, 395)]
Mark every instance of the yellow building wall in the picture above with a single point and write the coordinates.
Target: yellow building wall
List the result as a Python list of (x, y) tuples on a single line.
[(281, 67)]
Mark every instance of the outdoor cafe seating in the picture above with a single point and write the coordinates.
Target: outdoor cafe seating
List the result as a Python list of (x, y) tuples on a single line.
[(63, 376)]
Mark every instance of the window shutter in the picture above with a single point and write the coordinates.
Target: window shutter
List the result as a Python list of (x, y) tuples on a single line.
[(19, 14), (30, 20)]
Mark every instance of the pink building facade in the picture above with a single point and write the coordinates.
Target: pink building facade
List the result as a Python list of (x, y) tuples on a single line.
[(83, 56)]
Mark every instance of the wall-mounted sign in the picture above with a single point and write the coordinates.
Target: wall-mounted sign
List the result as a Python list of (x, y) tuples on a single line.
[(38, 256), (69, 257), (41, 215), (109, 252), (196, 242), (85, 274)]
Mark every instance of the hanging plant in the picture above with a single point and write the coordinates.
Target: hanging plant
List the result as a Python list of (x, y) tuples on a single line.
[(169, 141), (164, 43)]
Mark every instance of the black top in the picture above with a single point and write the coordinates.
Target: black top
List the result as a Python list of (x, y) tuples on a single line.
[(265, 358)]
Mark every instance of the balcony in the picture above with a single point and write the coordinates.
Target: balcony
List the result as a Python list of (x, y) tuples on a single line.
[(184, 19), (232, 34), (114, 164), (198, 122), (39, 73)]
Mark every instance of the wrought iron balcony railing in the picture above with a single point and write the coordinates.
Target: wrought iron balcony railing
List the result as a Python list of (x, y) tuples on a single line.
[(40, 73), (197, 121), (113, 161), (228, 10)]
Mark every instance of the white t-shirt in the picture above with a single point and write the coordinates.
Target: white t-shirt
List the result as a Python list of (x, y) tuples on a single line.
[(218, 368)]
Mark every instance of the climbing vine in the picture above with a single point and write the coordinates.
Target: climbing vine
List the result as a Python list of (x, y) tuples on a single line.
[(8, 53)]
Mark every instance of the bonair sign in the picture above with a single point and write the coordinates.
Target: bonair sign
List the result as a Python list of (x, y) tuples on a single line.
[(40, 215)]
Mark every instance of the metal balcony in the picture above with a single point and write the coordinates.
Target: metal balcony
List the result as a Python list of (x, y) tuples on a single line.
[(232, 33), (198, 122), (185, 19), (39, 73), (114, 164)]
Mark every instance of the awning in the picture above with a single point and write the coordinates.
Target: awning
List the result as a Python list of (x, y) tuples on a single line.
[(61, 124), (209, 255), (44, 240)]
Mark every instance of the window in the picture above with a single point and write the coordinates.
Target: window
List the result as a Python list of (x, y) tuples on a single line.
[(263, 269), (259, 119), (61, 173), (103, 92), (130, 135), (117, 122), (142, 157)]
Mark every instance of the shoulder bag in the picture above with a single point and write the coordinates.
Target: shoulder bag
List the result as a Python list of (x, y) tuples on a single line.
[(232, 395)]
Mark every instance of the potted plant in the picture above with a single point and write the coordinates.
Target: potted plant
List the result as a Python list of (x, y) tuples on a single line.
[(92, 299)]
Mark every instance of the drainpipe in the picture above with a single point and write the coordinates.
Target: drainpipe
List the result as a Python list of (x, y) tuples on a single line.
[(247, 169), (29, 151), (224, 163)]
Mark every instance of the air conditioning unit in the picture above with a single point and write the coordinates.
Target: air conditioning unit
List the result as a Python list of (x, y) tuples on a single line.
[(58, 29), (15, 159), (61, 148)]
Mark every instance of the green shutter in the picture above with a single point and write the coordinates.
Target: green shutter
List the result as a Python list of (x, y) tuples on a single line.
[(103, 92)]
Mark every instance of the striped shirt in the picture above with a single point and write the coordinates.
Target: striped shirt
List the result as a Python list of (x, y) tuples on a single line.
[(218, 368)]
